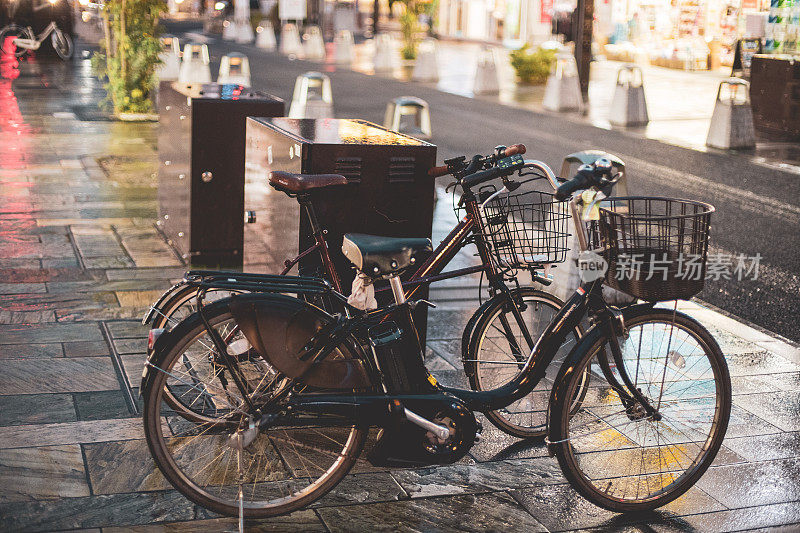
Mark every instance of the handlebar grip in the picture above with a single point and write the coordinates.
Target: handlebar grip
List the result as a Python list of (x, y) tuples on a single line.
[(435, 172), (515, 149), (582, 180), (480, 177)]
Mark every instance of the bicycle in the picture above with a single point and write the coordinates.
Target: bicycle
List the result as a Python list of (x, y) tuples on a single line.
[(649, 427), (520, 312), (18, 40)]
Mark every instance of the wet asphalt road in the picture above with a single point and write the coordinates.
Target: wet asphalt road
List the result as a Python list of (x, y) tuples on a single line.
[(758, 207)]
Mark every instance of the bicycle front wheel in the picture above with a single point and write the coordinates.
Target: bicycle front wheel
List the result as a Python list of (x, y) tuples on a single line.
[(616, 455), (62, 44), (498, 351)]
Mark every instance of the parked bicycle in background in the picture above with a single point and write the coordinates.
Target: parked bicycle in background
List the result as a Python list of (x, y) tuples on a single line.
[(18, 40)]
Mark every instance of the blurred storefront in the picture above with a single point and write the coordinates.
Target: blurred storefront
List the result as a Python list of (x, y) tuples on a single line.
[(684, 34), (512, 22)]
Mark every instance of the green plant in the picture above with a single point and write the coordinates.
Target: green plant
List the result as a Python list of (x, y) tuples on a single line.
[(409, 28), (532, 66), (129, 51)]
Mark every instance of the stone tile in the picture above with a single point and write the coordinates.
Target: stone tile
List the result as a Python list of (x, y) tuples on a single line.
[(25, 409), (101, 405), (26, 317), (446, 324), (306, 521), (49, 333), (117, 261), (744, 424), (165, 274), (22, 288), (140, 299), (86, 349), (122, 466), (480, 477), (29, 351), (755, 483), (131, 346), (494, 445), (766, 447), (789, 381), (782, 409), (449, 350), (764, 516), (42, 473), (77, 374), (561, 508), (758, 363), (95, 511), (71, 433), (784, 349), (127, 329), (486, 512), (363, 488)]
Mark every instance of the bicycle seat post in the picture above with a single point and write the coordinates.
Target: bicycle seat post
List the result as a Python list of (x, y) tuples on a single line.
[(397, 289)]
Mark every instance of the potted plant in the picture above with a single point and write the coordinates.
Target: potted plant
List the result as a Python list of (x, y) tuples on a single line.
[(532, 66), (128, 56)]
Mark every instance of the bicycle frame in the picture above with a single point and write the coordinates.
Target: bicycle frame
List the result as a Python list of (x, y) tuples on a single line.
[(36, 42)]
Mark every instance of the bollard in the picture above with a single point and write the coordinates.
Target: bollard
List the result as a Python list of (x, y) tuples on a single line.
[(732, 121), (265, 36), (409, 115), (234, 68), (195, 64), (426, 67), (563, 90), (170, 57), (312, 97), (487, 80), (386, 58), (629, 107), (229, 30), (313, 44), (244, 31), (290, 40), (343, 47)]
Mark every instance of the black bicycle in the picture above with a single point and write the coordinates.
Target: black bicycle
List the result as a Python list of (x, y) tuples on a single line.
[(650, 424), (532, 233)]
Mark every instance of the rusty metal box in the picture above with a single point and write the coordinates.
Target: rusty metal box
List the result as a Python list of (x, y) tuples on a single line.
[(201, 144)]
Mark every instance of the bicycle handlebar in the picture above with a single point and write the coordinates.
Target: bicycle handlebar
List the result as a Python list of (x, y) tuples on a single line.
[(598, 174), (514, 149)]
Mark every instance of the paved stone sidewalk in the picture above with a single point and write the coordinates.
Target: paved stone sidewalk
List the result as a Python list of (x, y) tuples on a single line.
[(79, 262)]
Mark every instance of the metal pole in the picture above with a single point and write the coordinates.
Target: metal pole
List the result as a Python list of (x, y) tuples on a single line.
[(583, 43)]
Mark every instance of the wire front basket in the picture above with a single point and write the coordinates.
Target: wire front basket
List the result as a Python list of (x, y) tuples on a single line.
[(656, 248), (526, 230)]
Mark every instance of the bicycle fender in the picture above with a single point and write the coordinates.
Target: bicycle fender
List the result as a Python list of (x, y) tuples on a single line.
[(280, 327), (559, 392), (156, 307), (469, 330), (158, 346)]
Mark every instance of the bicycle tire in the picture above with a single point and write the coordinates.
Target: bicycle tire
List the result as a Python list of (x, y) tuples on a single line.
[(162, 448), (501, 418), (62, 44), (14, 30), (574, 457)]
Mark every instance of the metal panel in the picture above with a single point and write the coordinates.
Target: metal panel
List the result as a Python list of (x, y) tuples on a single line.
[(201, 177)]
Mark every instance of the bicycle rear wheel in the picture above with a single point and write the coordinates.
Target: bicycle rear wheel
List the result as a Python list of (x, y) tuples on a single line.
[(280, 470), (617, 456), (13, 30), (498, 351)]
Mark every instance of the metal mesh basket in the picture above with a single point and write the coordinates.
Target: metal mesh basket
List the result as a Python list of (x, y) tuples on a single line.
[(656, 248), (526, 230)]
